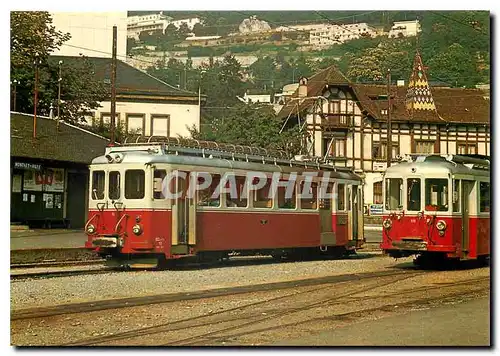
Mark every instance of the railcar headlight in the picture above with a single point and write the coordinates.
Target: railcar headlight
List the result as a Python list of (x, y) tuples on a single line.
[(137, 229), (441, 225), (90, 229), (387, 224)]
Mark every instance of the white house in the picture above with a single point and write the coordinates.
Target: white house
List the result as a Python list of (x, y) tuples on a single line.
[(405, 28), (144, 104), (146, 23)]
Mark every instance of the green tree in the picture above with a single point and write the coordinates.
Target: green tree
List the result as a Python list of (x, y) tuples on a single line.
[(455, 65), (249, 125), (32, 33)]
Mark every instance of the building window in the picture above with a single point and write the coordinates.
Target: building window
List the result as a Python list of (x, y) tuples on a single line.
[(464, 148), (335, 148), (135, 124), (379, 150), (377, 193), (334, 107), (160, 125), (425, 147)]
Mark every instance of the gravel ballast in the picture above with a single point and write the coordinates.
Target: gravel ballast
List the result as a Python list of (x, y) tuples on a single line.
[(28, 293)]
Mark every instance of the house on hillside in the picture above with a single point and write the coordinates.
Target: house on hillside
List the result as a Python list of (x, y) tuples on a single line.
[(346, 122), (144, 104)]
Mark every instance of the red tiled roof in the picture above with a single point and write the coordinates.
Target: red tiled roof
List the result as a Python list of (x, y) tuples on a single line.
[(454, 105)]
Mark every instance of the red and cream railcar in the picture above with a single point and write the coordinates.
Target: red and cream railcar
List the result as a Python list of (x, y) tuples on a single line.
[(131, 221), (437, 207)]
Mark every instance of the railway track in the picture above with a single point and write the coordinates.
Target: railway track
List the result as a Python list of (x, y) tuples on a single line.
[(42, 312), (230, 326), (247, 321), (60, 273)]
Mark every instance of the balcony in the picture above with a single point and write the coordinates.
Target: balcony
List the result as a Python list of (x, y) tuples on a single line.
[(336, 121)]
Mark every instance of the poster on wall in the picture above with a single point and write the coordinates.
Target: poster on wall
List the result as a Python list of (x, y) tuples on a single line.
[(49, 201), (25, 197), (54, 180), (32, 181), (16, 183), (57, 201)]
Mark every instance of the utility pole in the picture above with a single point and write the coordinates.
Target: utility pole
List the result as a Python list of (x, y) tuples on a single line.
[(15, 82), (37, 62), (113, 87), (389, 124), (59, 94)]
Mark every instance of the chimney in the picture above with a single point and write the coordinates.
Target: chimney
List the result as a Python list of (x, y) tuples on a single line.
[(302, 87), (401, 83)]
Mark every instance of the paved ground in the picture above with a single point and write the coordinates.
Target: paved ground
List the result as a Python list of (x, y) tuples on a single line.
[(62, 238), (462, 324), (42, 239)]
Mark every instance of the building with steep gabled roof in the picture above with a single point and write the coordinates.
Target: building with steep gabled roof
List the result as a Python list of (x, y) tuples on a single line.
[(346, 123)]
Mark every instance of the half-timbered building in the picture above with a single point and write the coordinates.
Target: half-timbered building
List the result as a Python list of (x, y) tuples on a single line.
[(347, 123)]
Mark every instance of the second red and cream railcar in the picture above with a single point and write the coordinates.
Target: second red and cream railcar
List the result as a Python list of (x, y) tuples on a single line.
[(437, 207), (131, 221)]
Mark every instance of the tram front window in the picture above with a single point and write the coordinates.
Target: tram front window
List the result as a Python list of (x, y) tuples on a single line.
[(414, 200), (134, 184), (436, 194), (393, 196)]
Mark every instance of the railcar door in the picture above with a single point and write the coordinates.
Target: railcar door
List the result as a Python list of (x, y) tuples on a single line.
[(184, 215), (467, 187), (325, 216)]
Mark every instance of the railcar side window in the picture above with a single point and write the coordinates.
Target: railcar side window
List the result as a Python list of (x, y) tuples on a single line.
[(134, 184), (261, 196), (98, 185), (456, 195), (237, 201), (484, 197), (393, 194), (284, 201), (158, 177), (341, 197), (309, 199), (209, 196), (324, 196), (414, 197), (436, 194)]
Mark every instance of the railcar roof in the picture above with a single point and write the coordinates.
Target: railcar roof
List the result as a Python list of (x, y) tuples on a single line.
[(145, 157), (432, 168)]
